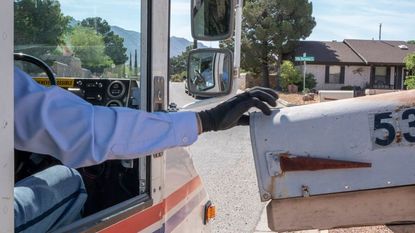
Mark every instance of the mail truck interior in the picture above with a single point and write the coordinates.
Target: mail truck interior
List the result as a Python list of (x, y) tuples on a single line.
[(73, 45)]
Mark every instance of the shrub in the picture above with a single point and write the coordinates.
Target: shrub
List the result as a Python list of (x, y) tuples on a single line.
[(410, 82), (410, 65), (178, 77), (346, 88), (350, 88), (410, 62), (310, 83), (289, 74)]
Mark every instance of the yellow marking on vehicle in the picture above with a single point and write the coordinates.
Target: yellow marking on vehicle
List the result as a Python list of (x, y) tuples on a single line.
[(62, 82)]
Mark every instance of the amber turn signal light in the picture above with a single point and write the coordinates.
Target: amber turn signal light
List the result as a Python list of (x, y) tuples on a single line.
[(210, 212)]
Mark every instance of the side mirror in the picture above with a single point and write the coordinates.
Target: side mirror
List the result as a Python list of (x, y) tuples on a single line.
[(212, 19), (209, 72)]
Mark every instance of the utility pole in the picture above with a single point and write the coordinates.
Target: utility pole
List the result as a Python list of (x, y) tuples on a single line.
[(380, 31), (135, 63), (238, 35)]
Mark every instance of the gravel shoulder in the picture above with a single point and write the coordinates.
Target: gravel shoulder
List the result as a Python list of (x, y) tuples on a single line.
[(296, 99)]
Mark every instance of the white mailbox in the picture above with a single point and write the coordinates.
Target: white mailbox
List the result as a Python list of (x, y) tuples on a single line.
[(312, 161)]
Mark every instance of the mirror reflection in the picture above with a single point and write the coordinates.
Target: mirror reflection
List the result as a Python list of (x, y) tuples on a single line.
[(212, 19), (203, 77), (209, 72)]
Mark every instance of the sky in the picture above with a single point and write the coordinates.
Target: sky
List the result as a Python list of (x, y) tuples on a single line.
[(336, 19), (360, 19), (122, 13)]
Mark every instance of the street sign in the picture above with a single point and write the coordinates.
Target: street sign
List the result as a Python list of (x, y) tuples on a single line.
[(304, 58)]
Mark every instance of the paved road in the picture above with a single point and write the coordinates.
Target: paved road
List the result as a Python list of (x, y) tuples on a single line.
[(225, 163), (177, 94)]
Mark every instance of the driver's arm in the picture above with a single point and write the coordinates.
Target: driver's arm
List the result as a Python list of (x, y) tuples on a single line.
[(56, 122)]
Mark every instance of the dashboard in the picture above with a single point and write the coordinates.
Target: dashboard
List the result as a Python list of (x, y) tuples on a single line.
[(103, 92)]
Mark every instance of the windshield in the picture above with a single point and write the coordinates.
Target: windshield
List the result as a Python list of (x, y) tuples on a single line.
[(81, 38)]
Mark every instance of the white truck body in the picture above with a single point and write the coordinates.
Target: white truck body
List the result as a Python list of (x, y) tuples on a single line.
[(6, 117)]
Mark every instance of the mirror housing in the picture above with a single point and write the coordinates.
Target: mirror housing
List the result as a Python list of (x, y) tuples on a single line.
[(209, 72), (212, 20)]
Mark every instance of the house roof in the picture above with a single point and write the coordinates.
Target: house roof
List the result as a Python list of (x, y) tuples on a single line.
[(356, 51), (381, 51), (328, 52)]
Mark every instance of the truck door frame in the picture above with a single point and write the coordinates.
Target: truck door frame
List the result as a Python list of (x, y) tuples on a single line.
[(154, 63), (6, 117), (155, 47)]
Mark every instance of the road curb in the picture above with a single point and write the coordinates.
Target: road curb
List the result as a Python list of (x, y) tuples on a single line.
[(285, 103), (262, 225)]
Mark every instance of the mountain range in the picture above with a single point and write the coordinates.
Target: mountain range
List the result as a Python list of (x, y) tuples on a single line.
[(132, 42)]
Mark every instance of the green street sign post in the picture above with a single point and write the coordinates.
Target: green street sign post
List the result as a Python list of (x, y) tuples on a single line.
[(304, 59)]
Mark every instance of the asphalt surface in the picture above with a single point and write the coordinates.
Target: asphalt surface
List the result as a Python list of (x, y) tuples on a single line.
[(224, 161)]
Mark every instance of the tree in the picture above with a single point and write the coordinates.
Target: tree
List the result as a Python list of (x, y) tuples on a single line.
[(269, 28), (411, 42), (178, 64), (131, 61), (90, 48), (39, 26), (410, 82), (227, 44), (410, 62), (135, 62), (410, 65), (114, 44), (289, 74)]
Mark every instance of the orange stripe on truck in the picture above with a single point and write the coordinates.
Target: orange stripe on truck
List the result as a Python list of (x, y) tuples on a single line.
[(141, 220), (184, 191)]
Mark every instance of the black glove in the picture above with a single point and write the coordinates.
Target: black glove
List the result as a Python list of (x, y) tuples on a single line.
[(231, 112)]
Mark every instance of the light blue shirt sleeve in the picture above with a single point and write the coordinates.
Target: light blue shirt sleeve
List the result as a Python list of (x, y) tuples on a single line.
[(56, 122)]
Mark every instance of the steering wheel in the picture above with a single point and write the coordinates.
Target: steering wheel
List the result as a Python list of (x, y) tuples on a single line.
[(23, 164), (37, 62), (199, 79)]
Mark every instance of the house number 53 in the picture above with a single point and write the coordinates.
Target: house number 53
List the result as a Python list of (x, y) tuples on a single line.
[(381, 123)]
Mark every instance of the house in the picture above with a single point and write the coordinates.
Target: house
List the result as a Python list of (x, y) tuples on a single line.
[(375, 64)]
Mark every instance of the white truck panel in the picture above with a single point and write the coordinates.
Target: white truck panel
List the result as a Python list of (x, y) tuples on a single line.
[(6, 117)]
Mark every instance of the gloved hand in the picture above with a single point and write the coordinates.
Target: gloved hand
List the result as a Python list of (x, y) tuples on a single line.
[(231, 112)]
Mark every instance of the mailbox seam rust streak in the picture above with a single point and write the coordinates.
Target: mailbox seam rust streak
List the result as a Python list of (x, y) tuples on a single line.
[(301, 163)]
